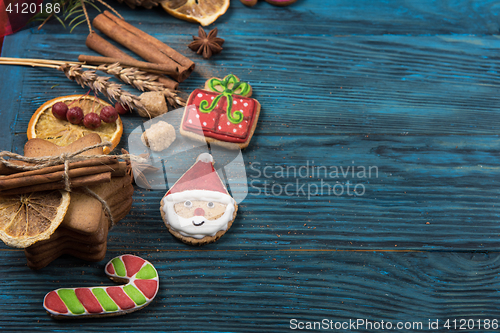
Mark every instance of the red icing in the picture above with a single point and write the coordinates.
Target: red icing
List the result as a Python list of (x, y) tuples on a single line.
[(121, 299), (110, 269), (53, 302), (201, 176), (226, 127), (215, 123), (148, 287), (133, 264), (90, 303), (199, 212)]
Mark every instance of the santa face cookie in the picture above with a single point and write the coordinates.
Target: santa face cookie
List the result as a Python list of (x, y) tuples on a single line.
[(198, 209), (223, 113)]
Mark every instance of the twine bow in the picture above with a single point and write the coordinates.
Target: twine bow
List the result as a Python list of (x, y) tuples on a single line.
[(64, 158), (230, 86)]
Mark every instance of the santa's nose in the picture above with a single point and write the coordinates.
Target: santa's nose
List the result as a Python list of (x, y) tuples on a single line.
[(199, 212)]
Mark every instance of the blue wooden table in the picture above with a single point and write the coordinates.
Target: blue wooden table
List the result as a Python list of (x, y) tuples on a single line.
[(408, 90)]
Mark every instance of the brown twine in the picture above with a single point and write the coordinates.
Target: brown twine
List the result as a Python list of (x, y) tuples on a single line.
[(104, 204), (86, 15), (66, 159)]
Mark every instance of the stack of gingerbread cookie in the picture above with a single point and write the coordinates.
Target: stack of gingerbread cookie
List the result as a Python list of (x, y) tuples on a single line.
[(84, 230)]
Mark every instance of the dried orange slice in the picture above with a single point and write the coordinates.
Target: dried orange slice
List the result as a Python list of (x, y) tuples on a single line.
[(29, 218), (204, 12), (45, 126)]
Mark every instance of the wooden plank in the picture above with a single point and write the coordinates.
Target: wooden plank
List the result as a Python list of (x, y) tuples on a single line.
[(239, 291), (362, 85), (436, 166), (412, 193), (409, 87), (335, 17)]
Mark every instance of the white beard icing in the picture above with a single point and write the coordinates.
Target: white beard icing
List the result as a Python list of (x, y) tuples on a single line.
[(185, 226)]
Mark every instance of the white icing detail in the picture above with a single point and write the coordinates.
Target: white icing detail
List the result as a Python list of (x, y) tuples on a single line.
[(234, 130), (228, 123), (239, 126), (190, 121), (197, 116), (241, 100), (204, 123), (235, 102), (245, 104), (220, 127), (185, 226), (212, 97), (130, 281), (200, 95), (205, 157)]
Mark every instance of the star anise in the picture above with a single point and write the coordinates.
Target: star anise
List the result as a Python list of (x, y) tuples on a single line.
[(206, 45)]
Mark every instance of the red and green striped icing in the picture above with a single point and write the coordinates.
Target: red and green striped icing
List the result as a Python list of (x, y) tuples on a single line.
[(140, 290)]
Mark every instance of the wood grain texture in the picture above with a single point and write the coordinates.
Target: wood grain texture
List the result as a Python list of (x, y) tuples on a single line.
[(245, 291), (407, 87)]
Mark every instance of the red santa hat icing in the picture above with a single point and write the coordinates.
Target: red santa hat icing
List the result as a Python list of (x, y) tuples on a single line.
[(201, 176)]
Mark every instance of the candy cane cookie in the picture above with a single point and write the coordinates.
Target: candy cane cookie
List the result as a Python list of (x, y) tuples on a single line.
[(141, 288)]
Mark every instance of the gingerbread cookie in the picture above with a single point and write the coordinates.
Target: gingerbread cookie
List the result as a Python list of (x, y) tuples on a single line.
[(141, 288), (251, 3), (198, 209), (84, 229), (223, 113)]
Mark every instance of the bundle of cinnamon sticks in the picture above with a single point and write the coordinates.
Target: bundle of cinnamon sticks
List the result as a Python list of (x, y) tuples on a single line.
[(160, 58), (81, 173)]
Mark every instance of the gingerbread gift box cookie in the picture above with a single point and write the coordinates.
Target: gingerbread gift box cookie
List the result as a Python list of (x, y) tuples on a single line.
[(198, 209), (222, 113)]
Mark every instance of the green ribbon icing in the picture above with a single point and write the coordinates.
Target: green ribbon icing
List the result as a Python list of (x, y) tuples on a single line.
[(135, 294), (146, 273), (231, 85), (69, 298), (119, 267), (106, 302)]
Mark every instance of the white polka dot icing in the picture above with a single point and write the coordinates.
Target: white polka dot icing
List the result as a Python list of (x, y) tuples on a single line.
[(200, 95)]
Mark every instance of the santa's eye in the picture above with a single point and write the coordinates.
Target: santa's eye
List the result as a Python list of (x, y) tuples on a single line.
[(210, 204), (188, 204)]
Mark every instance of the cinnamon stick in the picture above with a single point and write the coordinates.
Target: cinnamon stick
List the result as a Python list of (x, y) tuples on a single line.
[(32, 180), (76, 182), (5, 170), (139, 45), (141, 65), (80, 164), (102, 46), (164, 48)]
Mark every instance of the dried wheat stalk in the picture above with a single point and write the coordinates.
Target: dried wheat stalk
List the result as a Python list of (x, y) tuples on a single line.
[(142, 81), (101, 84), (130, 75)]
